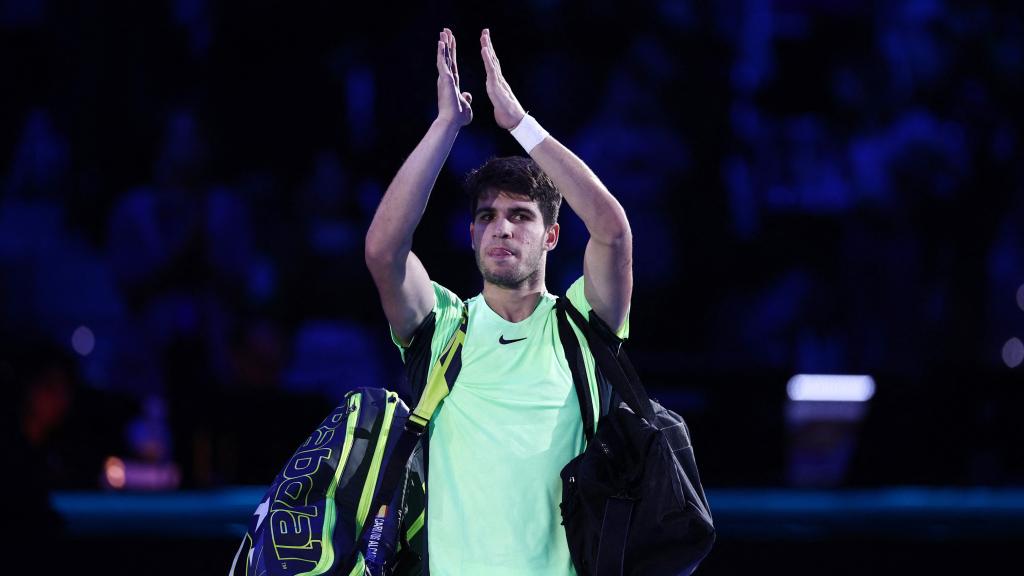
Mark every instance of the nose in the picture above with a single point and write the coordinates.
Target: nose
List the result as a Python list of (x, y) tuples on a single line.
[(502, 228)]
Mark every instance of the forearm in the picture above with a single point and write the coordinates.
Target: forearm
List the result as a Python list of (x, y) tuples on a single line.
[(602, 214), (405, 200)]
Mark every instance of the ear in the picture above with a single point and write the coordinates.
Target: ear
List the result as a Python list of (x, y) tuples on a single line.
[(472, 236), (551, 237)]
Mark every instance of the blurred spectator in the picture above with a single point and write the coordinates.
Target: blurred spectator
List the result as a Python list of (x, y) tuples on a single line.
[(40, 167), (324, 275), (816, 186), (248, 430), (40, 381), (639, 157)]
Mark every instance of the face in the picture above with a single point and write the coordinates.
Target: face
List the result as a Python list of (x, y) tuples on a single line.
[(510, 240)]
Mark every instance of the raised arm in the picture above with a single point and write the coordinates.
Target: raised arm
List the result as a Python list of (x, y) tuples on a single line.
[(402, 281), (608, 261)]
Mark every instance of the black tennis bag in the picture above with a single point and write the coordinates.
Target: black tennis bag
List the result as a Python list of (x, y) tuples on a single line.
[(632, 502)]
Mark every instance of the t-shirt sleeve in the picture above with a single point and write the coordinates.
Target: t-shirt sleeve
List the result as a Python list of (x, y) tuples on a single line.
[(578, 299), (447, 313)]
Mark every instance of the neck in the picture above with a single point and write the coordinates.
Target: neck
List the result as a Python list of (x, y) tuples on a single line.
[(514, 304)]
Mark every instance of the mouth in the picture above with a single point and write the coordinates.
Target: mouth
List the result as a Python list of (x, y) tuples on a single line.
[(500, 252)]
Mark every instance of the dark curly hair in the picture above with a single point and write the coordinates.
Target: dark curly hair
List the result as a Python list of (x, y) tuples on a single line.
[(515, 175)]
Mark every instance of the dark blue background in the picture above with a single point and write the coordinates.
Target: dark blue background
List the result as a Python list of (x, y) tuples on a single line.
[(813, 187)]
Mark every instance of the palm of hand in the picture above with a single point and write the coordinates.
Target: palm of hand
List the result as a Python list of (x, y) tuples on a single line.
[(452, 103), (507, 109)]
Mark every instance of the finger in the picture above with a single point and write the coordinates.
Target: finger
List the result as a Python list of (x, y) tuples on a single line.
[(455, 58), (442, 67), (485, 54), (491, 64), (489, 43), (446, 52), (453, 61), (448, 37), (490, 57)]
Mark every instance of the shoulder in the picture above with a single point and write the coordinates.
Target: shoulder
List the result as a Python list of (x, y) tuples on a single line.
[(447, 311), (441, 322), (446, 303), (577, 297)]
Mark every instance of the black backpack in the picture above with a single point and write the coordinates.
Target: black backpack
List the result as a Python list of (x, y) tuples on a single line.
[(632, 502)]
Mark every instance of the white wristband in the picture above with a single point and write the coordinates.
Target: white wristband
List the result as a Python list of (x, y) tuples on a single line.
[(529, 133)]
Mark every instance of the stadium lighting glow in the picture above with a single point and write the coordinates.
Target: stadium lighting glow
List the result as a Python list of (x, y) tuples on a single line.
[(83, 340), (831, 388), (115, 471), (1013, 352)]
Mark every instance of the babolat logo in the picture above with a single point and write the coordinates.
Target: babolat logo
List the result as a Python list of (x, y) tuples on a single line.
[(296, 515), (373, 546)]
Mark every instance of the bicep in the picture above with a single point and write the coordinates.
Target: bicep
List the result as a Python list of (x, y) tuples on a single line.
[(608, 279), (406, 294)]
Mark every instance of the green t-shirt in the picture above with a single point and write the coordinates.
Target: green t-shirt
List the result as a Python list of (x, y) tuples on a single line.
[(499, 441)]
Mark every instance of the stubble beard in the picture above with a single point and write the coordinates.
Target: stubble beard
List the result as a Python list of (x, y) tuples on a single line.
[(524, 274)]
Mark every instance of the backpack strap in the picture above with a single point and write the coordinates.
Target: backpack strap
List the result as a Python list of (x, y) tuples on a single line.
[(614, 364), (442, 376), (439, 382), (574, 357)]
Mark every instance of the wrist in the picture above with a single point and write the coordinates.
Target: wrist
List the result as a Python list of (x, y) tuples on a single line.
[(448, 125), (529, 133)]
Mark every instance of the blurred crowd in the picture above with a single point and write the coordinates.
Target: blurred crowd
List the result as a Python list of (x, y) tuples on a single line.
[(813, 187)]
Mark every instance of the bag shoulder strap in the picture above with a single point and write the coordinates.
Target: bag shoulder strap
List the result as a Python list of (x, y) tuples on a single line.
[(440, 379), (613, 363), (442, 374), (574, 357)]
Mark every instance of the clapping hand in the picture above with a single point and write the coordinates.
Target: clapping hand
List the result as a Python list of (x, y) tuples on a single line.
[(507, 110), (453, 105)]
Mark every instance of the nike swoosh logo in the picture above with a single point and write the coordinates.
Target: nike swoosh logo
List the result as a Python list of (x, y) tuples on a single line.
[(501, 340)]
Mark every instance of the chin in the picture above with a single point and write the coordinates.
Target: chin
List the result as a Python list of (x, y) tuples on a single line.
[(512, 276)]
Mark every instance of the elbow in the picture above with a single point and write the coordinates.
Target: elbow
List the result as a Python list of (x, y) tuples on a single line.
[(372, 252), (371, 258), (615, 232), (378, 253), (622, 234)]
